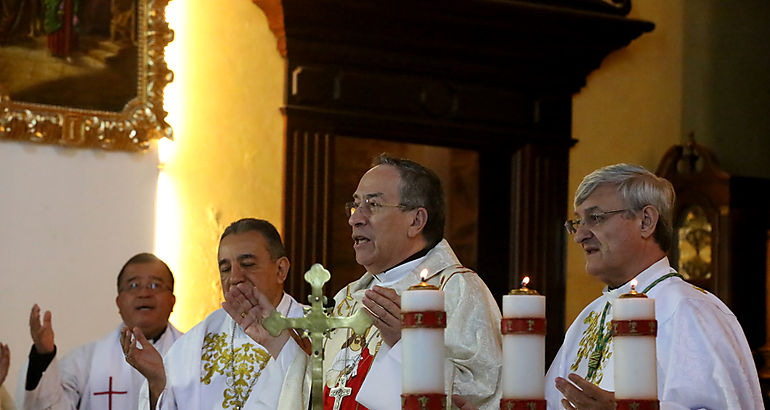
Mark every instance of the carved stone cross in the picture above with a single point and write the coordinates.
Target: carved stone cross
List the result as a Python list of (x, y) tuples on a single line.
[(317, 324)]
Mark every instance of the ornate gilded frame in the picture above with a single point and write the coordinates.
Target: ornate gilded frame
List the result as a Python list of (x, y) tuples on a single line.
[(142, 118)]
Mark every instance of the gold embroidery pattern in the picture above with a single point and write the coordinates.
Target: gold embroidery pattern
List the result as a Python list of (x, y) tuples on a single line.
[(588, 342), (214, 356), (346, 302), (248, 363)]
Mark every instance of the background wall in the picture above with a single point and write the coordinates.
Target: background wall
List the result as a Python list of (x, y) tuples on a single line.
[(70, 219), (629, 111), (726, 89), (227, 161)]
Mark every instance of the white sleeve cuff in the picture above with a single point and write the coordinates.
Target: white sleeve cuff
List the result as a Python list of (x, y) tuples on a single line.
[(381, 389)]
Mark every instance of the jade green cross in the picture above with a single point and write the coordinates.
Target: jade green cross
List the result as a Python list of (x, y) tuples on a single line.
[(317, 324)]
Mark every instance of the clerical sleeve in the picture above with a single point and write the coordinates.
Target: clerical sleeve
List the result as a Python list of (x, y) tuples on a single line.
[(61, 383), (473, 341), (165, 400), (704, 359)]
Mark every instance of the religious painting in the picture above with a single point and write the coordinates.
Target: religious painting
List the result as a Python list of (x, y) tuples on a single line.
[(75, 53), (83, 72), (458, 170)]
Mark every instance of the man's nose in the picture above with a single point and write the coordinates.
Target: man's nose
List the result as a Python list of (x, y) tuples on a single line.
[(582, 233), (356, 218), (144, 290), (236, 275)]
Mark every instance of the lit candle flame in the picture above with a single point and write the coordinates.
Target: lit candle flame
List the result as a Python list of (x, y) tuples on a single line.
[(424, 274), (634, 282), (525, 282)]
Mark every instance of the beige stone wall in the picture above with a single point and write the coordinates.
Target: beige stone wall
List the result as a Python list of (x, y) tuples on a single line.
[(629, 111), (227, 160)]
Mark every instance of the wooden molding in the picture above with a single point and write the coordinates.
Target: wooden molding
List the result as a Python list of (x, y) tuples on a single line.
[(273, 9)]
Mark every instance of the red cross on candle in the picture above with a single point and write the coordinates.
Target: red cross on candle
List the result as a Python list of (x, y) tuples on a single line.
[(110, 392)]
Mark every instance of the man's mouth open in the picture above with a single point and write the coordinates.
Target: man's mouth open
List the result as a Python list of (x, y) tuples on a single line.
[(360, 240)]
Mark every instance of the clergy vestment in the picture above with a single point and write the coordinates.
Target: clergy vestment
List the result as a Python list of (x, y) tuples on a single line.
[(216, 365), (94, 376), (371, 370), (703, 358)]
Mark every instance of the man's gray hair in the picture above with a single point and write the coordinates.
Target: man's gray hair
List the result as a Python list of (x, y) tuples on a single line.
[(638, 188), (420, 188)]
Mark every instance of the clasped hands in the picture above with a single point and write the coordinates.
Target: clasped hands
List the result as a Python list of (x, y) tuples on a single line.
[(383, 305), (249, 307)]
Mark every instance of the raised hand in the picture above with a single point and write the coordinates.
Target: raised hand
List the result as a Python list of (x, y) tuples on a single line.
[(461, 403), (384, 306), (582, 394), (146, 360), (249, 307), (5, 362), (42, 333)]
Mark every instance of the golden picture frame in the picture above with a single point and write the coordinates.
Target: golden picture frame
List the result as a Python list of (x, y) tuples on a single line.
[(95, 123)]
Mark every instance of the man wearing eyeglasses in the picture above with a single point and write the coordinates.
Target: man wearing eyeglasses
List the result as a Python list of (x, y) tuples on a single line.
[(624, 226), (96, 375), (397, 220)]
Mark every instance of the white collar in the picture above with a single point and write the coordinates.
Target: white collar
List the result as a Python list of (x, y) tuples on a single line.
[(392, 276), (644, 279), (284, 305)]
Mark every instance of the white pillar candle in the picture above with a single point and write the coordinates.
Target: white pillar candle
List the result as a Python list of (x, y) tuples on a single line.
[(422, 348), (524, 351), (634, 347)]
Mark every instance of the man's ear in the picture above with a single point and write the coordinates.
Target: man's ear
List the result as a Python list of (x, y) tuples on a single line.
[(418, 222), (649, 221), (283, 268)]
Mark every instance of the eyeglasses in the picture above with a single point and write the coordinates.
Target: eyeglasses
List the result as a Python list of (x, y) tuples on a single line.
[(590, 221), (154, 287), (368, 207)]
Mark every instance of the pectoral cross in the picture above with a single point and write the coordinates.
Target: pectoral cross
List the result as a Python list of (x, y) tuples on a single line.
[(339, 392), (317, 324)]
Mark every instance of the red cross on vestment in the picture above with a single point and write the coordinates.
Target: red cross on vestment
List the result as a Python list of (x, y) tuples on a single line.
[(110, 392)]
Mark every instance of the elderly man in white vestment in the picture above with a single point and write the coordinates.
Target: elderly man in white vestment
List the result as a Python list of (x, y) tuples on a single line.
[(624, 225), (397, 220), (96, 376), (217, 364)]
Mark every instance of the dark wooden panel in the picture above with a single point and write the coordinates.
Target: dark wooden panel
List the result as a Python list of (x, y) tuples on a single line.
[(306, 204)]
